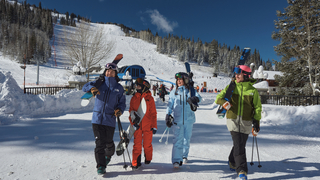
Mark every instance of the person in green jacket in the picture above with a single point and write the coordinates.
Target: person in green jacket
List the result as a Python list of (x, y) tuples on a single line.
[(243, 116)]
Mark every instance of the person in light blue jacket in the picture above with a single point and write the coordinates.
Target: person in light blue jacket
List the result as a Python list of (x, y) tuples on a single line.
[(110, 102), (181, 118)]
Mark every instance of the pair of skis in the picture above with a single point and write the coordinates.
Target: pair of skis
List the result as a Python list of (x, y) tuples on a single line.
[(86, 98), (221, 111), (191, 87)]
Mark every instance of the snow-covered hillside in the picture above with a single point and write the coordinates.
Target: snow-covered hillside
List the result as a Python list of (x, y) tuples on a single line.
[(50, 137)]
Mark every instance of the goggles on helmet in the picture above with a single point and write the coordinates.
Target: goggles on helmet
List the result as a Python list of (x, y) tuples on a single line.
[(237, 70), (181, 75), (111, 66), (140, 81)]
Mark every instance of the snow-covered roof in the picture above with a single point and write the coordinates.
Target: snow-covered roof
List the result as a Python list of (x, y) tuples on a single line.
[(271, 74), (261, 85)]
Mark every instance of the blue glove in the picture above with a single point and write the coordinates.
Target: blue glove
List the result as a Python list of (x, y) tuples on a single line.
[(154, 130)]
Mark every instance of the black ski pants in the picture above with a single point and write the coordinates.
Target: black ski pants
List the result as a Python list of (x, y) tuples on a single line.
[(104, 143), (238, 152)]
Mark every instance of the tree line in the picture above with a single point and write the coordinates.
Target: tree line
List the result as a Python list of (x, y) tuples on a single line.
[(221, 57), (25, 32)]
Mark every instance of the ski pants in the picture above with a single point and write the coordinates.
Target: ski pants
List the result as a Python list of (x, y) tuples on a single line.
[(142, 138), (104, 143), (238, 152), (181, 141)]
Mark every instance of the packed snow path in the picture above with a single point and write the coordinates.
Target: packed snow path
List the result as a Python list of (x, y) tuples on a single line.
[(61, 147)]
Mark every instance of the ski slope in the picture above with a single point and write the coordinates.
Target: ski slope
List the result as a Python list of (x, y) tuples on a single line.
[(50, 137)]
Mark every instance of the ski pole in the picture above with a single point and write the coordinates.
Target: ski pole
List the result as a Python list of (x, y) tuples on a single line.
[(125, 165), (160, 140), (129, 156), (258, 154), (252, 151), (167, 136)]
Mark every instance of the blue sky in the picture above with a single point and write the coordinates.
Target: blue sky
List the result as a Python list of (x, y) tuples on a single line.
[(245, 23)]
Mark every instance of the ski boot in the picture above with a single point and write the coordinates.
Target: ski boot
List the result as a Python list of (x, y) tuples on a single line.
[(243, 175), (101, 170), (185, 160)]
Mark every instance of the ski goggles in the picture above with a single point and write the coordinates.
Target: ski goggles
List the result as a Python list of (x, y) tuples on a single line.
[(181, 75), (237, 70), (140, 81), (111, 66)]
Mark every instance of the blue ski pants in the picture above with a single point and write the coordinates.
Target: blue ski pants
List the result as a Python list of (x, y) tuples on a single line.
[(181, 141)]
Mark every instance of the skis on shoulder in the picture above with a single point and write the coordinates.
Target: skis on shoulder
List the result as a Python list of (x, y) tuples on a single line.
[(221, 111), (193, 106), (87, 97)]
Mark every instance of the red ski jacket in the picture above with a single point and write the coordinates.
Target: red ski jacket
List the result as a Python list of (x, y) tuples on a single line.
[(150, 118)]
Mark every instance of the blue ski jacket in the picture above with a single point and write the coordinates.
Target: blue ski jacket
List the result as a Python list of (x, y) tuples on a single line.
[(178, 106), (111, 97)]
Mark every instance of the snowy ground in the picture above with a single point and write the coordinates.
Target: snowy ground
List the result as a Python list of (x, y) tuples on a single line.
[(50, 137)]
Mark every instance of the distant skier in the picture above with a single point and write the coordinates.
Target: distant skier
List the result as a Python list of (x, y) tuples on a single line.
[(110, 102), (183, 119), (243, 116), (148, 125), (162, 92), (154, 88)]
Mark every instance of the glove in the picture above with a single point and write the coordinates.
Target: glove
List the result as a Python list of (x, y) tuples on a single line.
[(190, 75), (95, 91), (255, 127), (135, 118), (226, 105), (154, 130), (136, 126), (193, 100), (169, 120), (117, 112)]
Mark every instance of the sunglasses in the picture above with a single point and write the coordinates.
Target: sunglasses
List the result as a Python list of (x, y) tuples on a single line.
[(181, 75), (111, 66)]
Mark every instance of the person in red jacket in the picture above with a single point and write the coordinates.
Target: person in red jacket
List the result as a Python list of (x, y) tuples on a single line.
[(148, 125)]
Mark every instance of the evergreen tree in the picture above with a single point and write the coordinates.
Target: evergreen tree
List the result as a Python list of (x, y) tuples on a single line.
[(298, 29)]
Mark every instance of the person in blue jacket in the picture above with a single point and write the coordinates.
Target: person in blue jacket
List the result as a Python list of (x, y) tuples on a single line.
[(110, 102), (181, 118)]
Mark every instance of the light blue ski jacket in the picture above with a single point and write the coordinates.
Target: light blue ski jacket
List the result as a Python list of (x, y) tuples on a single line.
[(178, 106), (111, 97)]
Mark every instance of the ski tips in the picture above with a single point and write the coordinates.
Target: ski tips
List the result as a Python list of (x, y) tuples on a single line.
[(247, 48), (117, 58)]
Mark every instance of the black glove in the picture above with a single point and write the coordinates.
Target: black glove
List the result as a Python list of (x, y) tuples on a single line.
[(154, 130), (190, 75), (169, 120), (256, 125), (137, 118), (136, 126), (193, 100)]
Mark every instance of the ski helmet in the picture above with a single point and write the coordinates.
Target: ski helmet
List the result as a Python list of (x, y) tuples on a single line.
[(243, 69), (114, 67), (145, 85), (182, 75)]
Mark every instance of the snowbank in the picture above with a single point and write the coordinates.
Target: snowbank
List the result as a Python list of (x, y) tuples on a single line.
[(14, 104)]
